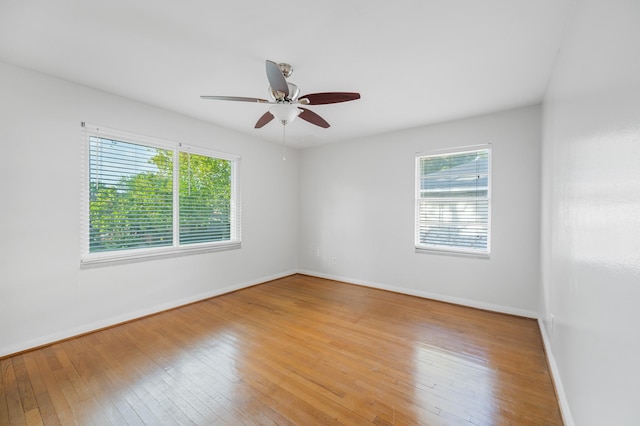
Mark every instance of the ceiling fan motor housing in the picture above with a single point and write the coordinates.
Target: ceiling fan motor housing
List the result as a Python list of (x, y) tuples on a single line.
[(280, 96)]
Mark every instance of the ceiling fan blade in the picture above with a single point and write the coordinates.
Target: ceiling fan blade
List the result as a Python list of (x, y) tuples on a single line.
[(330, 97), (266, 117), (276, 78), (237, 98), (313, 118)]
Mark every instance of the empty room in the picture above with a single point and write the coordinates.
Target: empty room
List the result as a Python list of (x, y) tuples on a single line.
[(295, 213)]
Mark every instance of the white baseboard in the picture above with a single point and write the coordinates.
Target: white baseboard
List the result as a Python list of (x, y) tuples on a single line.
[(110, 322), (428, 295), (555, 373)]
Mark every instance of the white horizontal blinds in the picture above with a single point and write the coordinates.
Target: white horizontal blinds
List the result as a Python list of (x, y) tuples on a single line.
[(145, 197), (130, 200), (453, 201), (205, 198)]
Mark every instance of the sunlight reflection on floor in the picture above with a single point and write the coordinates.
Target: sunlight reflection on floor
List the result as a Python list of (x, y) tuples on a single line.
[(448, 383)]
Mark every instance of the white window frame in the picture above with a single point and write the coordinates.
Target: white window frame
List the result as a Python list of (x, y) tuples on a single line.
[(88, 259), (452, 250)]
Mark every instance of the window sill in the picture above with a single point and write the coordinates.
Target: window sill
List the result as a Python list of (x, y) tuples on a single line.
[(131, 256), (456, 253)]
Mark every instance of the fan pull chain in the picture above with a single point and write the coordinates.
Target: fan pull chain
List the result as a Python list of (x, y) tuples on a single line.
[(284, 146)]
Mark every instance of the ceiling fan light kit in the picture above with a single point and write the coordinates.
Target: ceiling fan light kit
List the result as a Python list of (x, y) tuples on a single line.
[(285, 96), (284, 113)]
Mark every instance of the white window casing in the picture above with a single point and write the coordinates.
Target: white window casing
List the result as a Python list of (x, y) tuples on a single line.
[(453, 201), (145, 197)]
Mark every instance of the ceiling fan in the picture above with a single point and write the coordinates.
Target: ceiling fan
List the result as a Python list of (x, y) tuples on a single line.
[(286, 96)]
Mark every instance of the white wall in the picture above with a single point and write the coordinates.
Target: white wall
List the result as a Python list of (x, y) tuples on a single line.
[(44, 296), (591, 213), (357, 205)]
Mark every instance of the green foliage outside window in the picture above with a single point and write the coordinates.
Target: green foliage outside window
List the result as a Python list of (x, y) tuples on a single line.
[(132, 201), (205, 199)]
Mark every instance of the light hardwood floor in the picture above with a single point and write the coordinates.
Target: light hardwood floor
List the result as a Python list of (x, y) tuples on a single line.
[(298, 350)]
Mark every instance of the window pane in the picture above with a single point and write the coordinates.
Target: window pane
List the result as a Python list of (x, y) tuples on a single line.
[(454, 174), (131, 202), (457, 223), (453, 201), (205, 199)]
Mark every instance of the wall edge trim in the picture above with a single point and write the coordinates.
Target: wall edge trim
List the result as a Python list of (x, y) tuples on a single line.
[(428, 295), (563, 402)]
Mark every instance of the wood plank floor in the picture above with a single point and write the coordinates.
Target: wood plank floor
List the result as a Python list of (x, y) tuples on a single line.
[(298, 350)]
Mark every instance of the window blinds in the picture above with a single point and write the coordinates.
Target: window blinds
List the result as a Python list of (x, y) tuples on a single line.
[(205, 199), (453, 201), (144, 197), (131, 196)]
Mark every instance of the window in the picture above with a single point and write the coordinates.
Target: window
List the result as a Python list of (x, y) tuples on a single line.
[(146, 197), (453, 201)]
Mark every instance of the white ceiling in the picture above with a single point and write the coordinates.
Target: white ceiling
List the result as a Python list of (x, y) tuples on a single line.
[(415, 62)]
